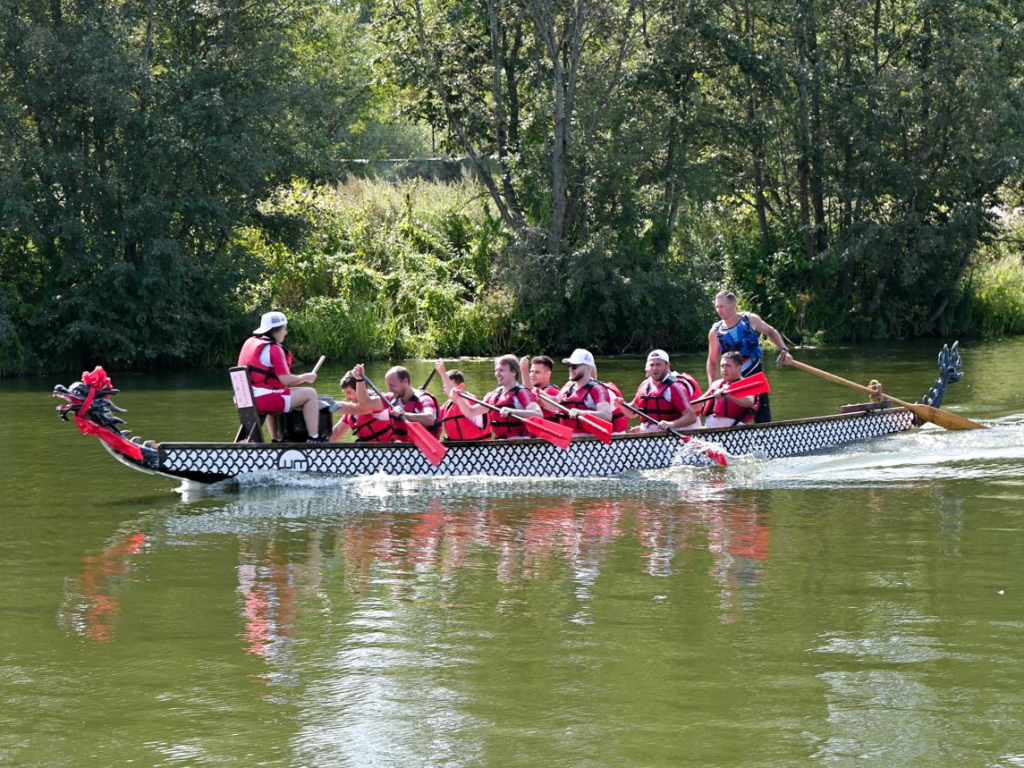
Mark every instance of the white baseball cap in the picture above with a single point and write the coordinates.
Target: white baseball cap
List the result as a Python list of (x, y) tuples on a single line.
[(658, 354), (270, 321), (580, 357)]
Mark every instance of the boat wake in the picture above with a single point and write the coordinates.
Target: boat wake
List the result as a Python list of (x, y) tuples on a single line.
[(930, 454)]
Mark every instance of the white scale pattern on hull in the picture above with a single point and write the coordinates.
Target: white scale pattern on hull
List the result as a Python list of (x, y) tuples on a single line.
[(530, 458)]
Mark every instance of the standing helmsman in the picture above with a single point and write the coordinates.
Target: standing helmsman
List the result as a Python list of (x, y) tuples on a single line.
[(741, 332)]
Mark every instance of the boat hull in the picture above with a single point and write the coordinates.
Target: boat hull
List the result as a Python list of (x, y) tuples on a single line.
[(585, 457)]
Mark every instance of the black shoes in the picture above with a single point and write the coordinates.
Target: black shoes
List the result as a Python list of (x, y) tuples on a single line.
[(317, 439)]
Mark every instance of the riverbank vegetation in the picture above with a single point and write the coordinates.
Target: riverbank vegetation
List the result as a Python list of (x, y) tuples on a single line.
[(170, 169)]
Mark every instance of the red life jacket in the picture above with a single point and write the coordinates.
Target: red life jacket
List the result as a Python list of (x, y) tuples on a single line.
[(728, 409), (508, 427), (693, 390), (651, 400), (369, 429), (551, 391), (414, 405), (620, 422), (458, 427), (576, 398), (259, 375)]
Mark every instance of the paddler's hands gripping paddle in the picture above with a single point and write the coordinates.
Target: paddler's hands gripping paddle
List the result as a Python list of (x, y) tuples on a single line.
[(929, 413), (716, 455), (316, 369), (595, 425), (556, 434), (428, 445)]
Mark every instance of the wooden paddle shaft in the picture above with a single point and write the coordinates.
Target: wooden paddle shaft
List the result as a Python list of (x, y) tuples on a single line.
[(316, 368), (837, 379), (928, 413)]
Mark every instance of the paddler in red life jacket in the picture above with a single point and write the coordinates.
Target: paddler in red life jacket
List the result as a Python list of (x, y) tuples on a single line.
[(364, 415), (663, 397), (725, 410), (457, 426), (541, 367), (510, 396), (273, 383), (582, 394), (741, 332), (413, 404)]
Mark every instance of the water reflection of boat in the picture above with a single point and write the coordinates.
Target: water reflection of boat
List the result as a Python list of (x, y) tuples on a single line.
[(400, 550), (585, 457)]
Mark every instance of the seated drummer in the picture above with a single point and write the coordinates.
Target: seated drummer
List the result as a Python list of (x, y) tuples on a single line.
[(510, 396), (273, 383), (456, 425), (663, 397), (410, 403), (725, 410), (582, 393), (364, 415)]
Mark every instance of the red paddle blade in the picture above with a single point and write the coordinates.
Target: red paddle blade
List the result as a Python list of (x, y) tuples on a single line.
[(429, 445), (754, 385), (556, 434), (707, 449), (599, 428), (714, 454)]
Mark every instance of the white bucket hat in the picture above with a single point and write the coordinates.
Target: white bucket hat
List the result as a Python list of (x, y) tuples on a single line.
[(658, 354), (270, 321), (580, 357)]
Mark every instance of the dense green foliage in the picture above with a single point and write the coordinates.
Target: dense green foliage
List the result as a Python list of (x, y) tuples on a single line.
[(136, 137), (850, 156), (376, 270), (848, 168)]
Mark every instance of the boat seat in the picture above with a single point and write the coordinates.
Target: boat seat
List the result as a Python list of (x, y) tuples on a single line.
[(865, 407), (251, 428)]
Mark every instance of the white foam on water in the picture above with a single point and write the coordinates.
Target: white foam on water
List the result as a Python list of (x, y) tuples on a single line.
[(927, 454)]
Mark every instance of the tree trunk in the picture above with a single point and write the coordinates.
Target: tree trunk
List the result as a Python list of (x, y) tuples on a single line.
[(816, 154), (500, 123), (804, 132)]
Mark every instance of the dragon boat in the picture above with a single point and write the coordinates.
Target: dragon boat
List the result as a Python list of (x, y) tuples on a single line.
[(90, 406)]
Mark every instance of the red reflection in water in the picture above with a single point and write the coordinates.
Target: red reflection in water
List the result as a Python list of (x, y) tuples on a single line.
[(536, 543), (100, 584), (543, 542), (269, 599)]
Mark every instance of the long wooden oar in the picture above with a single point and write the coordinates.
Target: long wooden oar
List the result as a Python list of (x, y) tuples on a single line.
[(716, 455), (754, 385), (595, 425), (929, 413), (429, 445), (556, 434)]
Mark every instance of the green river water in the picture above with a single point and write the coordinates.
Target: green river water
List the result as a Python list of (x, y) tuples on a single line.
[(863, 607)]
